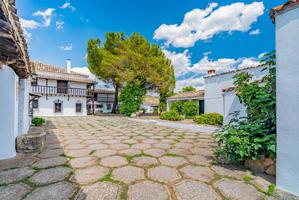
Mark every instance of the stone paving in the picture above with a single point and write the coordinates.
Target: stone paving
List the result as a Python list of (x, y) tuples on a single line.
[(107, 158)]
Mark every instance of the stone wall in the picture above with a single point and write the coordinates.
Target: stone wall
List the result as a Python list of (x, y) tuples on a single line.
[(263, 165)]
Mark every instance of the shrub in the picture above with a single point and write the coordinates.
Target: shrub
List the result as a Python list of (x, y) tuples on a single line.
[(209, 118), (178, 107), (38, 121), (131, 98), (190, 108), (173, 116), (162, 106), (255, 135)]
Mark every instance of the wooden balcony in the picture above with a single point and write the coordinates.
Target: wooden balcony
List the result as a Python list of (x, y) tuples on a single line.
[(61, 91)]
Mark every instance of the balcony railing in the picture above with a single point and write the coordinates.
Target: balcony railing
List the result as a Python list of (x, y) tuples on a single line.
[(52, 90)]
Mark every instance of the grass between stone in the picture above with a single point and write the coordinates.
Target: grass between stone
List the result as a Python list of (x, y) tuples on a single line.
[(130, 158)]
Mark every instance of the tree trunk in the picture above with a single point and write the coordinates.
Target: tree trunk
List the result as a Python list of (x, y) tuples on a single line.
[(116, 87)]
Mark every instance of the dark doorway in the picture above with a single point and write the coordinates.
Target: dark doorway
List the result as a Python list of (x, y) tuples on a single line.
[(62, 87)]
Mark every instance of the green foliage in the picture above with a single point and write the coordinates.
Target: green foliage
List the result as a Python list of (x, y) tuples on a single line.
[(122, 60), (209, 118), (190, 108), (271, 190), (177, 107), (188, 89), (172, 116), (255, 135), (131, 98), (38, 121), (162, 106)]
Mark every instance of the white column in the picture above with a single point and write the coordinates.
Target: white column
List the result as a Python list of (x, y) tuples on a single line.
[(8, 112), (287, 49), (23, 107), (167, 105)]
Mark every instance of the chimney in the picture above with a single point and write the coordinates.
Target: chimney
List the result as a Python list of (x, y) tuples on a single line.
[(68, 65), (211, 72)]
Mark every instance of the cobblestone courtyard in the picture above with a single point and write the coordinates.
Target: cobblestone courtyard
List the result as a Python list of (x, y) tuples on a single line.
[(110, 158)]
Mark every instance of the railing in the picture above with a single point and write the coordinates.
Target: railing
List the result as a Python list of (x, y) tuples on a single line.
[(105, 99), (52, 90)]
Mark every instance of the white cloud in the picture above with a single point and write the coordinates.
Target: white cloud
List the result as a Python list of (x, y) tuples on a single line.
[(255, 32), (220, 65), (29, 24), (203, 24), (83, 70), (180, 61), (68, 5), (26, 25), (46, 15), (249, 62), (59, 25), (67, 47), (100, 84), (28, 35), (197, 83), (262, 55)]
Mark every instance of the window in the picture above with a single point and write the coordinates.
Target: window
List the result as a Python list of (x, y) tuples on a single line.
[(78, 107), (100, 106), (58, 106), (35, 104), (62, 87), (108, 106)]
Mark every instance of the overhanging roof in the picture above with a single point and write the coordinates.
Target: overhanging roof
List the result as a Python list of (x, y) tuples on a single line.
[(13, 46), (279, 9)]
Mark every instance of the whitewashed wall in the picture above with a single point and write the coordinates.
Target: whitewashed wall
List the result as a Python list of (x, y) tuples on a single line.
[(8, 112), (231, 104), (218, 102), (287, 49), (46, 106), (23, 107)]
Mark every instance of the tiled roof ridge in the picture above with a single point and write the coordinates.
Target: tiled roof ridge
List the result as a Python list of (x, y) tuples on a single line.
[(232, 71), (190, 94), (39, 66), (281, 8)]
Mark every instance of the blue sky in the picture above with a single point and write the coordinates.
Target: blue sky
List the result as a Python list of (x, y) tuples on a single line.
[(197, 34)]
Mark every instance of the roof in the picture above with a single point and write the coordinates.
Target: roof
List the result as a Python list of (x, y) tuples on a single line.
[(229, 89), (152, 101), (13, 46), (278, 9), (188, 95), (104, 91), (232, 71), (47, 71)]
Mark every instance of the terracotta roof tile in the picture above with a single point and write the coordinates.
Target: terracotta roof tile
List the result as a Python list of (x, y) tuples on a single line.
[(13, 46), (187, 95), (57, 73), (150, 100), (278, 9)]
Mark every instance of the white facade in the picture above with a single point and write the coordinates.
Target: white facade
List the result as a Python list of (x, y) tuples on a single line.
[(46, 103), (14, 119), (287, 52), (148, 108), (100, 107), (216, 101)]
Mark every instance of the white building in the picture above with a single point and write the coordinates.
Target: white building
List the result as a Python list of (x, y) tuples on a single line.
[(103, 101), (197, 96), (286, 19), (64, 93), (150, 104), (14, 83), (220, 96)]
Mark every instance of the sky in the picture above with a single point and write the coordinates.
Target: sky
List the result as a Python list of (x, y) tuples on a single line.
[(196, 35)]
